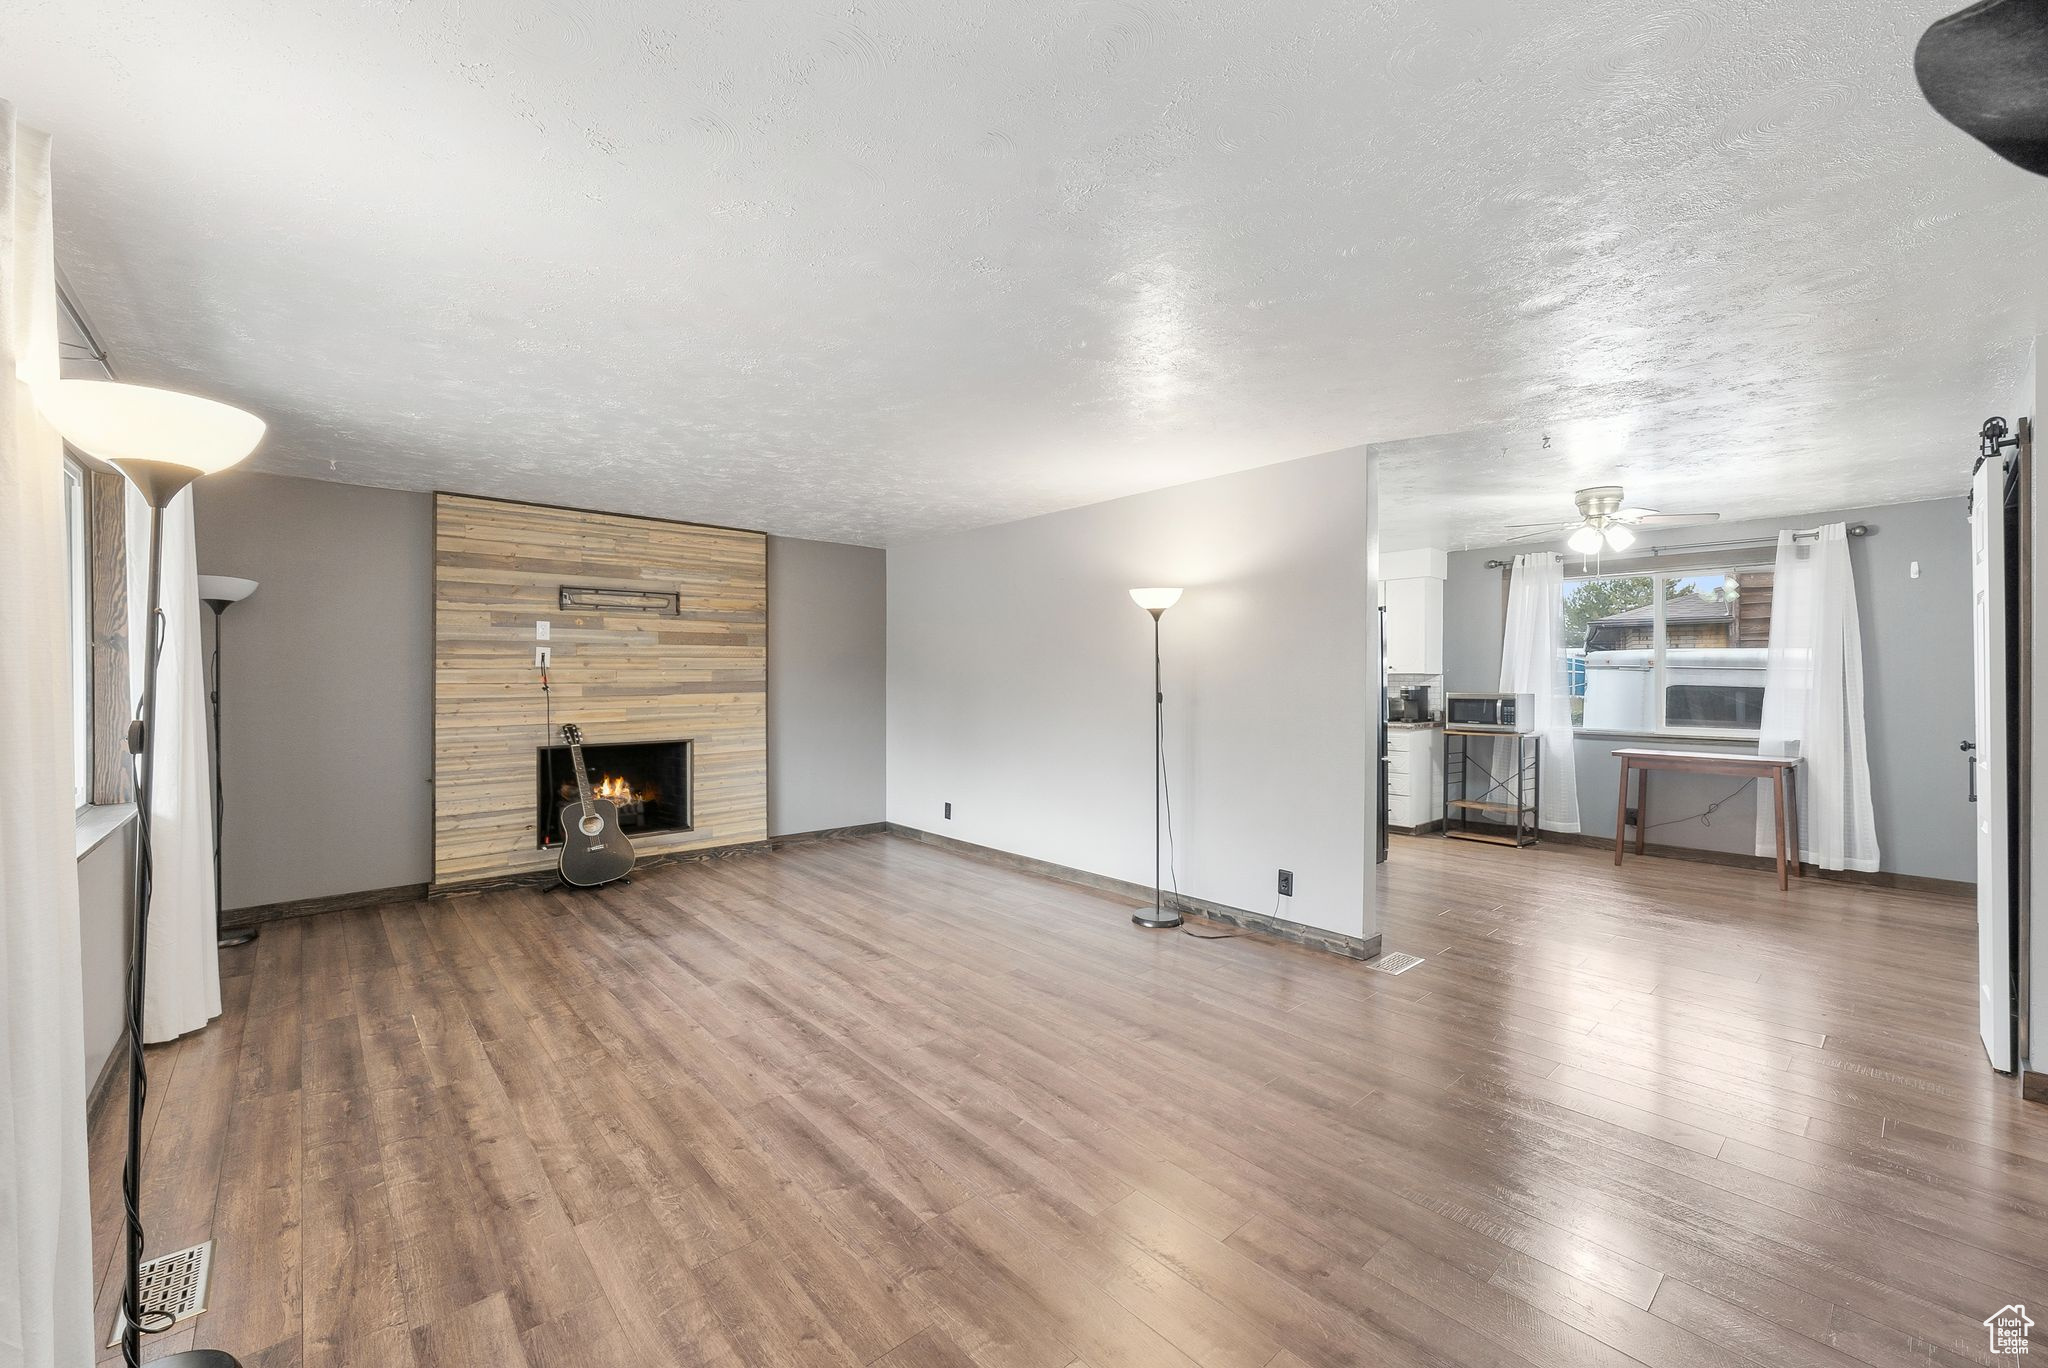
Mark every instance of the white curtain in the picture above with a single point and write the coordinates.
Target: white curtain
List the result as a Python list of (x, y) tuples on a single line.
[(1532, 662), (45, 1230), (184, 955), (1813, 702)]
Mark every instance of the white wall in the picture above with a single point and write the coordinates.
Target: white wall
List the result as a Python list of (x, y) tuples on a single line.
[(825, 680), (105, 907), (1020, 687)]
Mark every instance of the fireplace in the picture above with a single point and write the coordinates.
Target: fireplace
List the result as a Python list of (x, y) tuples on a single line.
[(648, 781)]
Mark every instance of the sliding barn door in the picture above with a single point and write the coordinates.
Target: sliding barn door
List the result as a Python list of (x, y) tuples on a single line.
[(1996, 1019)]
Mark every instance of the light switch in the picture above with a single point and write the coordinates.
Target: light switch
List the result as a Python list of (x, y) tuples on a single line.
[(543, 630), (1914, 572)]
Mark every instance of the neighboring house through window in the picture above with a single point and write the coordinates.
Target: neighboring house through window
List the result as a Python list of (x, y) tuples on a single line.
[(1668, 652)]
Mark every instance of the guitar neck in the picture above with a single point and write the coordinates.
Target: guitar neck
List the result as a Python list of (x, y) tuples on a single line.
[(582, 775)]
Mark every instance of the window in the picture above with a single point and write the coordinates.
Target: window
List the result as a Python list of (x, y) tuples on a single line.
[(1683, 651), (76, 563)]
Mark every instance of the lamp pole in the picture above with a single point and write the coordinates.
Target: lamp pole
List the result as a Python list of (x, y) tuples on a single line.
[(160, 441), (220, 593), (1156, 602), (158, 482)]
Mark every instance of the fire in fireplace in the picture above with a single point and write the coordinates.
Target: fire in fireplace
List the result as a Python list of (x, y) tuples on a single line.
[(648, 781)]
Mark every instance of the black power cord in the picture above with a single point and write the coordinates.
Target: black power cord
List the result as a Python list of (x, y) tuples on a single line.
[(1705, 817), (146, 1321), (1173, 850), (551, 807)]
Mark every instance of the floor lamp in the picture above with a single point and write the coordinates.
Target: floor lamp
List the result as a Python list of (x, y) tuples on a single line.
[(220, 593), (161, 441), (1156, 602)]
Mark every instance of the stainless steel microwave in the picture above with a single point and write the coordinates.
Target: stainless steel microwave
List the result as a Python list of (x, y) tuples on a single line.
[(1499, 712)]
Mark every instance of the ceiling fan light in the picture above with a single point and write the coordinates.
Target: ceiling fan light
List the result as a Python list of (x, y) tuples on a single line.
[(1619, 538), (1585, 541)]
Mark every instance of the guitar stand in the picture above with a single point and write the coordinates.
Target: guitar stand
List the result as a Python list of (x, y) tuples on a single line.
[(592, 888)]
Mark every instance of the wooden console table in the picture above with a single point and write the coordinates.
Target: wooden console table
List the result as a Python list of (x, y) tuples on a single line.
[(1781, 772)]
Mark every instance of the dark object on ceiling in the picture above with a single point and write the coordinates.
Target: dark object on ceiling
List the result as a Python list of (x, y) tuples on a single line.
[(1985, 70)]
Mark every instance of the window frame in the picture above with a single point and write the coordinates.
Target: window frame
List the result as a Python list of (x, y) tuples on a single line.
[(1659, 644), (78, 609)]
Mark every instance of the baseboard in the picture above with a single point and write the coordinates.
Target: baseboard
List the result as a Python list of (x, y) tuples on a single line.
[(827, 834), (534, 878), (264, 913), (1315, 938), (113, 1069), (543, 878), (1735, 859), (2034, 1086)]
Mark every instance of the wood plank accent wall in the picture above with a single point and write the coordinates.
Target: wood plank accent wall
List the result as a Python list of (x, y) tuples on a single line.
[(621, 676)]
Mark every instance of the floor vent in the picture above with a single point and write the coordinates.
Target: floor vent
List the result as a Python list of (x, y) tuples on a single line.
[(173, 1286), (1394, 962)]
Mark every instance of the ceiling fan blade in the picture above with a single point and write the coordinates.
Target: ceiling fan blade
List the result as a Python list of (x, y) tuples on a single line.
[(1547, 534), (1648, 519), (1559, 525)]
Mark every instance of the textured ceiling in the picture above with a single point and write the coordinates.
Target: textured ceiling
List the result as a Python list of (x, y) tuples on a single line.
[(877, 269)]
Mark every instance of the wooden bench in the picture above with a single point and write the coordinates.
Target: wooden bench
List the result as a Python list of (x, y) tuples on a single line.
[(1782, 773)]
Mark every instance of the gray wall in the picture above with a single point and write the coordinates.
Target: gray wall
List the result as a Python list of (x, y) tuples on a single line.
[(826, 675), (1916, 677), (328, 699), (327, 690)]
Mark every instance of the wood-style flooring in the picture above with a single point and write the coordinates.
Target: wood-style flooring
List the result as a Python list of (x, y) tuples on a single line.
[(868, 1102)]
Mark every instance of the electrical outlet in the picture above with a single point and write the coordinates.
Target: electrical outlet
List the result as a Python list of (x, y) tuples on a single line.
[(1286, 883), (949, 812), (543, 656), (543, 630), (1630, 818)]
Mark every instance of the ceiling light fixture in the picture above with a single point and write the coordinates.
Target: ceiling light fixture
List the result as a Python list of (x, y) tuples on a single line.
[(1619, 538), (1585, 541)]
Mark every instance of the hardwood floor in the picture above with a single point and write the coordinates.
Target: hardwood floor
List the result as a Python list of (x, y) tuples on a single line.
[(869, 1102)]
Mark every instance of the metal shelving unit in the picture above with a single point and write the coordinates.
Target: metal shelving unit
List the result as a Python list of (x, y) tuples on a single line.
[(1524, 785)]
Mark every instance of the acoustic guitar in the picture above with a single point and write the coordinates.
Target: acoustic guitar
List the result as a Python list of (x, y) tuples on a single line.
[(594, 850)]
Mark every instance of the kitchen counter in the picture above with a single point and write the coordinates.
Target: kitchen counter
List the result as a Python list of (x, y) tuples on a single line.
[(1415, 776)]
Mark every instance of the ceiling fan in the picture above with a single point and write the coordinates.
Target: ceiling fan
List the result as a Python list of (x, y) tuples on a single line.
[(1602, 520)]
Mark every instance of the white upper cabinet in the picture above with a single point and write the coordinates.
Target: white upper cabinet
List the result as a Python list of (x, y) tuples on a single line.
[(1415, 626), (1412, 592)]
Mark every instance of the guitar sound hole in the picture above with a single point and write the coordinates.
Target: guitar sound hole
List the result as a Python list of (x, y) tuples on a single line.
[(591, 825)]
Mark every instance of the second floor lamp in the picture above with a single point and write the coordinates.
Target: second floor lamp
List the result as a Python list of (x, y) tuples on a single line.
[(220, 593), (1156, 602)]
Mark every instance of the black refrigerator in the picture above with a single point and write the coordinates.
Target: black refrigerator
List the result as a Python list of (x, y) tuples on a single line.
[(1381, 856)]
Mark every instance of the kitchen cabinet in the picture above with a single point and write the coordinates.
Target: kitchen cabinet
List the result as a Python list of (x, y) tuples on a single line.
[(1415, 777), (1415, 625)]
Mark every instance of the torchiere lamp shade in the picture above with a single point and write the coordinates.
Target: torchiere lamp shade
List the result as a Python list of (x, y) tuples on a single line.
[(1155, 600), (160, 439), (224, 588), (1985, 70)]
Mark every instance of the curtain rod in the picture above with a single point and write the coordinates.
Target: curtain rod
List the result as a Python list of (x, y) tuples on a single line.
[(95, 352), (1855, 530)]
